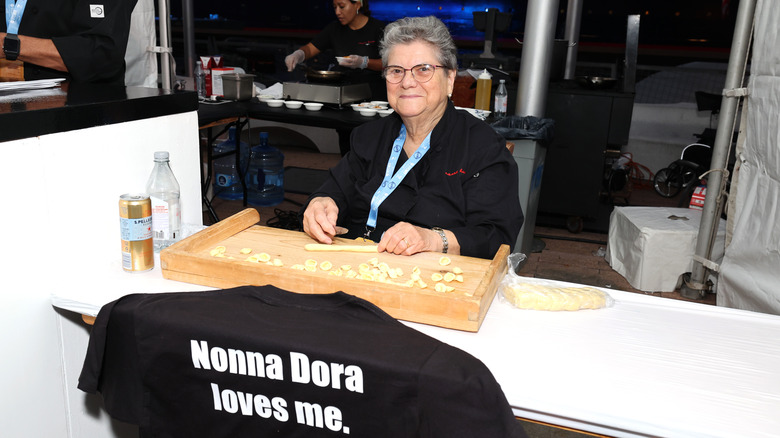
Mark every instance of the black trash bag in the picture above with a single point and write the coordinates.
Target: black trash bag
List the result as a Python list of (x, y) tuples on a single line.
[(526, 127)]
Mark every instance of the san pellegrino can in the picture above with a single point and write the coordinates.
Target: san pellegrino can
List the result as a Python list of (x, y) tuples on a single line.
[(135, 224)]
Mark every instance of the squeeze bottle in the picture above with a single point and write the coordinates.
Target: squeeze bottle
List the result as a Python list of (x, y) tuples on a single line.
[(484, 83)]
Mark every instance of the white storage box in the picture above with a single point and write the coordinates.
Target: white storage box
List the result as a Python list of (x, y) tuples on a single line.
[(652, 250)]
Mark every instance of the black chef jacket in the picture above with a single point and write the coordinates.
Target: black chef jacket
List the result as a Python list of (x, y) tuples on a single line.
[(466, 183), (93, 48), (343, 41), (261, 361)]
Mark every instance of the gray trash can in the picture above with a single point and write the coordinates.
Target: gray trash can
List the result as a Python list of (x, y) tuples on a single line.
[(529, 135)]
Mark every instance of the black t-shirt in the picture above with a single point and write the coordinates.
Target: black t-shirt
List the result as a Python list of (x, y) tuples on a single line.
[(266, 362), (338, 40)]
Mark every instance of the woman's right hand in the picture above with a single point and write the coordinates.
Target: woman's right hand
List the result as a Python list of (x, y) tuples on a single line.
[(294, 59), (319, 219)]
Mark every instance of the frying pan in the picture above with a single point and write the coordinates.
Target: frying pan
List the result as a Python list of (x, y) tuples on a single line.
[(596, 82), (322, 75)]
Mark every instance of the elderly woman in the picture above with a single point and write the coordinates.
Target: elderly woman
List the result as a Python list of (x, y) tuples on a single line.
[(429, 177)]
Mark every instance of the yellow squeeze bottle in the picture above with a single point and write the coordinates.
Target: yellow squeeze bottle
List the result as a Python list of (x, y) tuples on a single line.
[(484, 84)]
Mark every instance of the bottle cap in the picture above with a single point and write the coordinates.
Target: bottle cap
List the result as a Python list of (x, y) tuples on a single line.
[(161, 155), (501, 81), (484, 75), (263, 135)]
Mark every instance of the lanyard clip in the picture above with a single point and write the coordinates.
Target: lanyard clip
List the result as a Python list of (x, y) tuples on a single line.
[(367, 234)]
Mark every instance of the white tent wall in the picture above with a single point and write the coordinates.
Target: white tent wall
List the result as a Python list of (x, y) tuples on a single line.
[(750, 272)]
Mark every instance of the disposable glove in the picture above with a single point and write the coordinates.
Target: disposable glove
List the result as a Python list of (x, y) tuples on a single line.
[(354, 61), (294, 59)]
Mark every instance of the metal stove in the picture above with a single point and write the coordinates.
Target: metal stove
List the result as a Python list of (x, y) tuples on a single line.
[(337, 93)]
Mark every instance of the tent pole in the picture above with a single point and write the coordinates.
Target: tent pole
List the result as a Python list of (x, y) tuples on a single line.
[(695, 287), (164, 48), (188, 26), (572, 36), (536, 57)]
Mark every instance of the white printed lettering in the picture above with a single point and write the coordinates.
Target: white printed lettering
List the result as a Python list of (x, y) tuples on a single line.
[(219, 360), (215, 394), (319, 373), (229, 401), (299, 365), (200, 355), (354, 379), (245, 402), (309, 414), (323, 374), (236, 361), (280, 409)]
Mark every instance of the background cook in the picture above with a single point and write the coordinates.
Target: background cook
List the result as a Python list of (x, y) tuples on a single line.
[(354, 38), (81, 40), (429, 177)]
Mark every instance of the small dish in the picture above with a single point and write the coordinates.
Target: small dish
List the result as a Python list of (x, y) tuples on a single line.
[(313, 106), (274, 103), (368, 112), (339, 59), (357, 106), (264, 97), (385, 112), (375, 103), (293, 104)]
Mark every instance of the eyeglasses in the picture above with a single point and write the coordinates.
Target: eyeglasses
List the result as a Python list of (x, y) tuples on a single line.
[(421, 72)]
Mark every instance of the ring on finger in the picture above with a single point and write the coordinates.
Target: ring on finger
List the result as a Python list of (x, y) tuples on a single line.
[(405, 242)]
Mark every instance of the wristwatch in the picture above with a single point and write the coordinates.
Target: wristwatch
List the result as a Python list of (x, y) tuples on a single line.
[(11, 46), (443, 239)]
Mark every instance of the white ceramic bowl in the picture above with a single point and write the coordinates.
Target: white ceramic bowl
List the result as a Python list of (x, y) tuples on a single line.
[(378, 103), (358, 106), (368, 112), (274, 103), (264, 97), (293, 104), (313, 106), (385, 112)]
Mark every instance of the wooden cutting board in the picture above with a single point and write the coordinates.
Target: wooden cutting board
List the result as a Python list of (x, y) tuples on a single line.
[(463, 308)]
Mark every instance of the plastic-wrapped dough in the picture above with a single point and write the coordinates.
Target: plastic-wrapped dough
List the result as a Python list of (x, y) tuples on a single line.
[(525, 293)]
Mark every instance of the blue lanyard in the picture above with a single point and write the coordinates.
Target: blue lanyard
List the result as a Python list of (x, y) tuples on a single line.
[(13, 15), (392, 181)]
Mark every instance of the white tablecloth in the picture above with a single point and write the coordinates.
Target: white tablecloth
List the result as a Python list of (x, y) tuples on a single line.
[(651, 250), (647, 366)]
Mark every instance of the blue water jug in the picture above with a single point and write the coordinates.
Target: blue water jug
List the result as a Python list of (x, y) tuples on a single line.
[(227, 184), (265, 177)]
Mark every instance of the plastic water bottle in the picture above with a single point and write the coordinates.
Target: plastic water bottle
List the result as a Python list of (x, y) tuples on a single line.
[(265, 178), (163, 189), (227, 184), (499, 104), (200, 80)]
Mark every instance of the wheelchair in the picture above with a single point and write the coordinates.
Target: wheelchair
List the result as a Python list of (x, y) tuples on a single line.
[(695, 158), (683, 172)]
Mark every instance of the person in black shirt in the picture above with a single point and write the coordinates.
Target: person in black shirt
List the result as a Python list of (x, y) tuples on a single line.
[(77, 40), (354, 40), (429, 177)]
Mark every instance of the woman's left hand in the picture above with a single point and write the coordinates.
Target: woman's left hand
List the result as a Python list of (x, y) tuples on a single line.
[(407, 239)]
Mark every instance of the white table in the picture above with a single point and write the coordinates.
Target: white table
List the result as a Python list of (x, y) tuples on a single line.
[(646, 366), (651, 250)]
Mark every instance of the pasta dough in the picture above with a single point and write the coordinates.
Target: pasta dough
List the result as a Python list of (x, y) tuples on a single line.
[(540, 297)]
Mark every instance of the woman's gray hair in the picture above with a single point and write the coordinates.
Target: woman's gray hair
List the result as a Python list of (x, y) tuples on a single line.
[(427, 29)]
